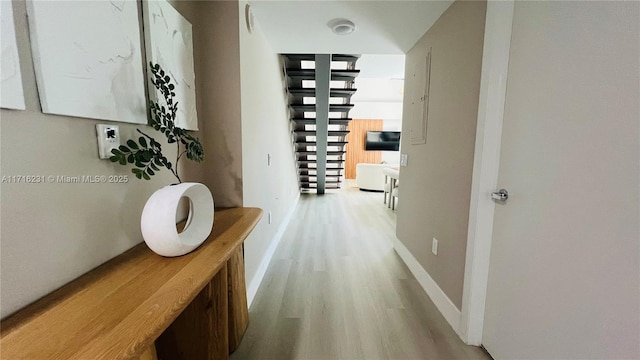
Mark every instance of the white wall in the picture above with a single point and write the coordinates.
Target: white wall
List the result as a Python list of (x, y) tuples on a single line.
[(265, 132), (52, 233), (436, 184)]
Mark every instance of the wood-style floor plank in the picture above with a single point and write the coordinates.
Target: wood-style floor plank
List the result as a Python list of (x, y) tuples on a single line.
[(336, 289)]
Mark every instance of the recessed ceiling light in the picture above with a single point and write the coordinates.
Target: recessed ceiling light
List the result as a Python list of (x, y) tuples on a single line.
[(342, 26)]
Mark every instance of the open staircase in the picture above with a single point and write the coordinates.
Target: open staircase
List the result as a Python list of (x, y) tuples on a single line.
[(320, 87)]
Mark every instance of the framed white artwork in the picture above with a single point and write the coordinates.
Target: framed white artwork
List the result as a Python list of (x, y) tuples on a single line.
[(11, 91), (88, 59), (169, 43)]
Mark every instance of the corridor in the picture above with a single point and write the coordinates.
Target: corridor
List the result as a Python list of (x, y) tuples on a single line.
[(336, 289)]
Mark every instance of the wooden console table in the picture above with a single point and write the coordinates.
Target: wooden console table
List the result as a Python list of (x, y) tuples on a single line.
[(191, 307)]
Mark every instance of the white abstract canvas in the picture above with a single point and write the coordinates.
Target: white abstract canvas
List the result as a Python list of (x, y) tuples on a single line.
[(169, 42), (12, 94), (88, 58)]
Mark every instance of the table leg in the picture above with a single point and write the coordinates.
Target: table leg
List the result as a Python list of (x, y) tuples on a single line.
[(238, 310), (202, 329)]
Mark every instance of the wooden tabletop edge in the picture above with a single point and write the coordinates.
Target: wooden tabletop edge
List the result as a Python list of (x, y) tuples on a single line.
[(247, 217)]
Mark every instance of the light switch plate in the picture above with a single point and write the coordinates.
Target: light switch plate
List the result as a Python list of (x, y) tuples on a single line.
[(108, 138), (404, 159)]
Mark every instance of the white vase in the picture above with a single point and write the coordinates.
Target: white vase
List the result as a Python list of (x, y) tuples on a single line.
[(158, 221)]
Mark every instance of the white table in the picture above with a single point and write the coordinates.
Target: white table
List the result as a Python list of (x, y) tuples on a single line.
[(391, 182)]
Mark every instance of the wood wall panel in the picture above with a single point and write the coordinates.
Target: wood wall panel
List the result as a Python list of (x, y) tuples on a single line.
[(355, 148)]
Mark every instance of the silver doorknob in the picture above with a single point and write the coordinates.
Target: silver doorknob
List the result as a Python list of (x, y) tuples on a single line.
[(500, 195)]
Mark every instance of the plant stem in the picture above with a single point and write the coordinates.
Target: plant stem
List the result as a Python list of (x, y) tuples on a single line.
[(177, 159)]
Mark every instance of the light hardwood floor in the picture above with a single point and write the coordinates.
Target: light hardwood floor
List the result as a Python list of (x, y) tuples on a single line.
[(336, 289)]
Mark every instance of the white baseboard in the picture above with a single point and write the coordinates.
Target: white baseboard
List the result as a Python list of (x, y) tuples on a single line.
[(439, 298), (252, 289)]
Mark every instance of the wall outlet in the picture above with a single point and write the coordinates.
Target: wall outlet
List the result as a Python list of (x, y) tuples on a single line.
[(404, 159), (269, 217), (434, 246), (108, 139)]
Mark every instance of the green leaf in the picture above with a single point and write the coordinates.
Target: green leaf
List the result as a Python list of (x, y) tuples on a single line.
[(123, 161), (150, 172), (146, 156), (145, 176), (114, 159), (124, 149), (132, 144), (142, 141), (130, 158)]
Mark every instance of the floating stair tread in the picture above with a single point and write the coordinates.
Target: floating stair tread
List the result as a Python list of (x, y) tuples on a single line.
[(327, 186), (342, 92), (306, 169), (311, 92), (340, 107), (344, 57), (313, 152), (303, 91), (312, 57), (345, 72), (310, 74), (311, 121), (315, 176), (313, 132), (312, 107), (313, 143), (303, 74), (316, 180), (301, 57), (344, 75)]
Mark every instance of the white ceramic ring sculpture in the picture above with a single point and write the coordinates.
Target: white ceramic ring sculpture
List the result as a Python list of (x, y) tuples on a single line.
[(158, 222)]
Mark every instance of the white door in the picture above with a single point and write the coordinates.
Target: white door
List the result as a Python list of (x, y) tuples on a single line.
[(564, 269)]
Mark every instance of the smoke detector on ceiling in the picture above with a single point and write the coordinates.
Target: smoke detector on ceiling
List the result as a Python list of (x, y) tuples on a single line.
[(342, 26)]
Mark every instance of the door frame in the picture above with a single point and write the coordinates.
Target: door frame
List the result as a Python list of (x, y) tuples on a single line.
[(493, 85)]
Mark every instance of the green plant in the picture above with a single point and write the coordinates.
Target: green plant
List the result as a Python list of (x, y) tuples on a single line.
[(146, 153)]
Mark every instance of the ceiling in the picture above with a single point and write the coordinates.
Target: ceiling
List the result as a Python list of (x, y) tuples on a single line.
[(383, 26)]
